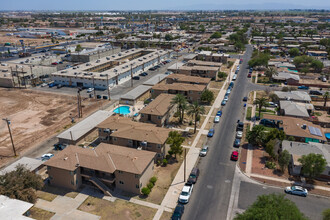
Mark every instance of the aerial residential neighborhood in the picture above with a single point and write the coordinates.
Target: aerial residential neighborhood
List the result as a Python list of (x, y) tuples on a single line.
[(148, 111)]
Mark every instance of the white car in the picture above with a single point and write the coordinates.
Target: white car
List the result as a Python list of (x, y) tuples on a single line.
[(234, 77), (186, 193), (217, 119), (89, 90), (226, 98), (296, 190), (204, 151), (47, 156), (239, 134), (43, 85)]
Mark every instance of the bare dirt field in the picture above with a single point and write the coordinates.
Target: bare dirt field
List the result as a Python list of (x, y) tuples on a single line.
[(15, 40), (34, 116)]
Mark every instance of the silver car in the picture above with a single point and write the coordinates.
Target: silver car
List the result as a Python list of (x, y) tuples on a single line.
[(296, 190), (204, 151)]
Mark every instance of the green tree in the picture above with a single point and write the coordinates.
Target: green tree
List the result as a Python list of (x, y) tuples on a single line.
[(175, 141), (284, 159), (270, 148), (312, 164), (325, 97), (294, 52), (256, 136), (181, 103), (326, 214), (20, 184), (317, 65), (145, 191), (270, 72), (195, 110), (275, 134), (261, 102), (273, 206), (207, 96), (216, 35), (222, 75), (168, 37)]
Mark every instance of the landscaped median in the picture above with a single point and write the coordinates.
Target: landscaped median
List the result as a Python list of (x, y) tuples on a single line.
[(248, 113)]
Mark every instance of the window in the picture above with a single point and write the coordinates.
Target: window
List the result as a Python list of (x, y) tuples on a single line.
[(159, 117), (77, 182), (100, 129), (142, 115), (159, 146), (71, 173), (137, 186), (130, 141), (121, 182), (115, 139), (119, 171), (72, 183), (137, 175)]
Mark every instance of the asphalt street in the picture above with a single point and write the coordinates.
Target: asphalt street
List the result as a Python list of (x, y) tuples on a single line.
[(312, 206), (212, 192)]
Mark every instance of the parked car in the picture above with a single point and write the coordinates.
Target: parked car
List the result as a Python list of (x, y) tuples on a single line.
[(59, 146), (192, 179), (219, 113), (168, 73), (59, 86), (54, 63), (43, 85), (89, 90), (47, 156), (239, 134), (228, 91), (178, 211), (186, 193), (204, 151), (223, 103), (231, 84), (303, 87), (50, 85), (226, 98), (136, 77), (296, 190), (315, 92), (210, 133), (240, 126), (249, 75), (234, 77), (237, 142), (272, 104), (234, 155), (143, 74), (216, 119), (245, 99)]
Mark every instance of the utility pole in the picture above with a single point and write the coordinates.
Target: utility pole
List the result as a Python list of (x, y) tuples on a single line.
[(108, 87), (185, 155), (19, 83), (11, 137), (23, 78), (12, 76), (131, 75), (94, 88)]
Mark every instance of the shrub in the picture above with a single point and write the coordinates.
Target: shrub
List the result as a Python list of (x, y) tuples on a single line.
[(164, 162), (145, 191), (153, 180), (270, 165), (168, 157), (190, 122), (150, 185), (158, 162)]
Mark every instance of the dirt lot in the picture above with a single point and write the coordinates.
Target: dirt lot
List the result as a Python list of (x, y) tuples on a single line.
[(34, 116), (28, 41), (116, 210)]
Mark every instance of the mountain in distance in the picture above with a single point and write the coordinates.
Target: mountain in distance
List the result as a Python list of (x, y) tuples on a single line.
[(263, 6)]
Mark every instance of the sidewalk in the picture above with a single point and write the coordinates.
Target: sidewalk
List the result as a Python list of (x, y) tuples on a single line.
[(171, 197)]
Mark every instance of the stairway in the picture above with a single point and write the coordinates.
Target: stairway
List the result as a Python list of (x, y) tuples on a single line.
[(100, 185)]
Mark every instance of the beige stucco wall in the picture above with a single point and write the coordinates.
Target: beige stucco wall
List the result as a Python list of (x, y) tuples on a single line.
[(64, 178)]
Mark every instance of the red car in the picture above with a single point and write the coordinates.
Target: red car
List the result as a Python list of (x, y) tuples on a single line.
[(55, 63), (234, 155), (249, 75)]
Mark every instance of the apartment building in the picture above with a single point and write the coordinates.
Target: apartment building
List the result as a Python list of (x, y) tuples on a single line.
[(191, 92), (123, 131), (159, 111), (106, 166), (201, 71), (181, 78), (212, 57)]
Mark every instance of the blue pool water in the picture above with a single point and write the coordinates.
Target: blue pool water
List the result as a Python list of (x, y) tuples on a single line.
[(124, 110), (295, 71)]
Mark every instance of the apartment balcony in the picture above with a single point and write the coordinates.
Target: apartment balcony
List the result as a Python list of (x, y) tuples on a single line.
[(109, 178)]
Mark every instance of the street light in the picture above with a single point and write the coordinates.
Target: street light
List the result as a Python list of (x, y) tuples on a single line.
[(11, 137)]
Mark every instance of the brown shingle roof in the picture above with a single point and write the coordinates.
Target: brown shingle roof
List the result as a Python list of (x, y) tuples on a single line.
[(292, 126), (159, 106), (128, 129), (202, 68), (179, 87), (204, 63), (189, 79), (105, 157)]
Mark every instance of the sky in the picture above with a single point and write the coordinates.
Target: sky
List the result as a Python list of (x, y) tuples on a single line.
[(161, 4)]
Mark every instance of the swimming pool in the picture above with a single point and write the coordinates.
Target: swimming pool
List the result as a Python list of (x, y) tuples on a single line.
[(123, 110), (295, 71)]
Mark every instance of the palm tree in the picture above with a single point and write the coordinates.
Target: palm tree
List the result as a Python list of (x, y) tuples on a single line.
[(196, 110), (270, 72), (325, 96), (181, 103), (261, 102)]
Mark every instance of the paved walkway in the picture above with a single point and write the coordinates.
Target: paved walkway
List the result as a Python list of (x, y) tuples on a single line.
[(66, 208), (171, 197)]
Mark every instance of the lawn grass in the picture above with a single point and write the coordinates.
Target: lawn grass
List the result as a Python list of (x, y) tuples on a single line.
[(119, 210), (247, 129), (166, 216), (46, 195), (253, 79), (72, 194), (40, 214), (248, 113)]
